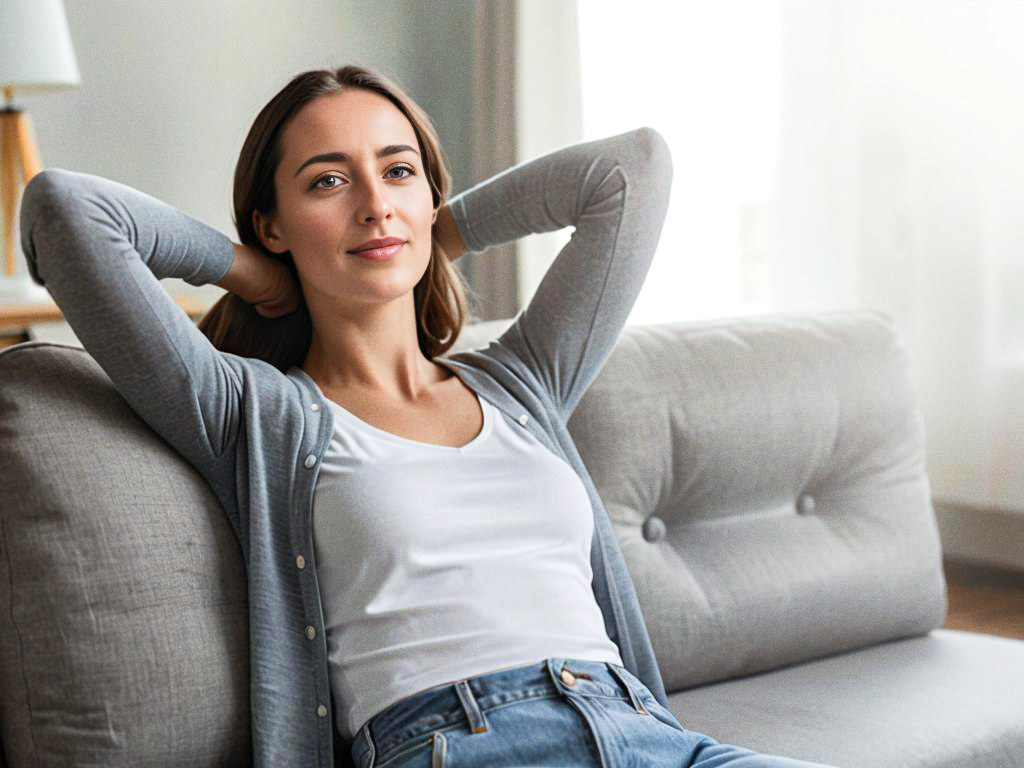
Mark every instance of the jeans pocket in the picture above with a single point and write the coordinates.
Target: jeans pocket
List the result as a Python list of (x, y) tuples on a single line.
[(650, 702), (663, 714), (424, 751)]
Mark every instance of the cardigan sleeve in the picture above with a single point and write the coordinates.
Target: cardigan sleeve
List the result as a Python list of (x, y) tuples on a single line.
[(100, 248), (615, 192)]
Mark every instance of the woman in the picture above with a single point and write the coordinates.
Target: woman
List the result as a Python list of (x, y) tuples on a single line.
[(432, 577)]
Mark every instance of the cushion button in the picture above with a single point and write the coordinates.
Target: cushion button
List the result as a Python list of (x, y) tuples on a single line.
[(654, 529)]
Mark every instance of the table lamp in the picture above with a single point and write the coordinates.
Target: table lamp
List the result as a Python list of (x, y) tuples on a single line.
[(35, 55)]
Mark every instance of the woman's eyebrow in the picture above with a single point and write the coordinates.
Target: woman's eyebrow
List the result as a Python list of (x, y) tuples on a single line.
[(341, 157)]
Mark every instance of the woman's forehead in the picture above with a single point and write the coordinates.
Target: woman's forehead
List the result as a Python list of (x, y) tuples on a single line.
[(353, 121)]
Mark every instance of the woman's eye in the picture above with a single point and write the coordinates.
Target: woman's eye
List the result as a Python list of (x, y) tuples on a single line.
[(401, 168), (318, 185)]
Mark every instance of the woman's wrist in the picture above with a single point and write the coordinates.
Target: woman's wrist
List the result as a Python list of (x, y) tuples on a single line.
[(261, 281), (248, 276), (447, 234)]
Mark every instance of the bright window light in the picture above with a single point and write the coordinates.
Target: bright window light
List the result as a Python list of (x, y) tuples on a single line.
[(707, 77)]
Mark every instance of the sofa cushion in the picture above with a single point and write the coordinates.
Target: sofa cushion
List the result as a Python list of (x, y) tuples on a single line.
[(766, 479), (947, 700), (123, 612)]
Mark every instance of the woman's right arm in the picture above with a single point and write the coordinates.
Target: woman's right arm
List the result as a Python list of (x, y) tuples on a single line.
[(100, 248)]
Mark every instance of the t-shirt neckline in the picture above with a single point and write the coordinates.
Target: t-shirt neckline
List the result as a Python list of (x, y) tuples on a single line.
[(383, 434)]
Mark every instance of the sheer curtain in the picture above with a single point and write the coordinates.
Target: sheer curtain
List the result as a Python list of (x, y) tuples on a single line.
[(835, 155)]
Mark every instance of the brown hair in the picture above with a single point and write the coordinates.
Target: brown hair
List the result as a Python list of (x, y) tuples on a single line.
[(233, 325)]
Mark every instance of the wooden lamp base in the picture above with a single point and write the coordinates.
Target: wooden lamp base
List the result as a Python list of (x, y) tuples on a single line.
[(17, 153)]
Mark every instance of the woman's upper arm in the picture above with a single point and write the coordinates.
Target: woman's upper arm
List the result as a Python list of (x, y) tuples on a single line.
[(615, 192), (100, 248)]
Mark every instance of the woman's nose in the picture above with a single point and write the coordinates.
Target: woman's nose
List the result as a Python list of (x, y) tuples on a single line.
[(375, 204)]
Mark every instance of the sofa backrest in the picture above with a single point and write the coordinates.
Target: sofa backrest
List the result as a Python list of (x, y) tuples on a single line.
[(765, 477)]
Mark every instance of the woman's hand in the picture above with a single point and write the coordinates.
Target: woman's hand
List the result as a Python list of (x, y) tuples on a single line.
[(281, 296), (447, 234), (264, 282)]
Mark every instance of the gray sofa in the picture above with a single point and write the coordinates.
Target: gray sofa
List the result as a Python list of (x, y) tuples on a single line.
[(766, 477)]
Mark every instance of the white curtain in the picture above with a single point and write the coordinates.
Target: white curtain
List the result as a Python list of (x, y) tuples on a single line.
[(842, 155), (901, 159)]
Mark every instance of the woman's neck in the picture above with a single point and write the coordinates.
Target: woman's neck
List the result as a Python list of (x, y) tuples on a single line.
[(380, 355)]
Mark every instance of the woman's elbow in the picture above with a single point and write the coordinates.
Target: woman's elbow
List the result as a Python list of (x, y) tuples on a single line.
[(656, 156), (46, 199), (46, 193)]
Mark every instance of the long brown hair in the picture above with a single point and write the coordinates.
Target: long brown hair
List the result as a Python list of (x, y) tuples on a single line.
[(233, 325)]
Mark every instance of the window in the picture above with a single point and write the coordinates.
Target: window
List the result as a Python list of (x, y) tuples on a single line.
[(707, 77)]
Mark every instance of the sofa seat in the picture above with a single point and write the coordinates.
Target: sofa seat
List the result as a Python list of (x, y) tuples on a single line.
[(888, 706)]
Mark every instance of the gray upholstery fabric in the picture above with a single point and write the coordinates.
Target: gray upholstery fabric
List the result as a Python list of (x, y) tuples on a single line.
[(766, 479), (123, 623), (947, 700)]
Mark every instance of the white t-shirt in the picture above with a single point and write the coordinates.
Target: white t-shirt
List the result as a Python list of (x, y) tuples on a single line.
[(439, 563)]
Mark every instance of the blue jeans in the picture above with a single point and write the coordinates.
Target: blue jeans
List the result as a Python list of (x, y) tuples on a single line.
[(559, 712)]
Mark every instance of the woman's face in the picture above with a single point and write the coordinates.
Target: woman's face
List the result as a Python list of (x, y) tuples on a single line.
[(351, 172)]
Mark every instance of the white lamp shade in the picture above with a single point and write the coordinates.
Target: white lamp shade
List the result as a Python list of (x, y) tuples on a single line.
[(35, 46)]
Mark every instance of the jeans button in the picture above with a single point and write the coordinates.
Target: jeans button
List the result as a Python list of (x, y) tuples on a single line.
[(568, 677)]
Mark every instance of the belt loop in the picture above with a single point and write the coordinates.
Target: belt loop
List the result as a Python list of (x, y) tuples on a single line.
[(370, 756), (477, 723), (439, 756), (637, 704)]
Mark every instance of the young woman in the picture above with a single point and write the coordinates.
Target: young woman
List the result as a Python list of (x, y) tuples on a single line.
[(433, 579)]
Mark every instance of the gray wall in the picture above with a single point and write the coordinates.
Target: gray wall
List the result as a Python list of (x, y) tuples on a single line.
[(169, 89)]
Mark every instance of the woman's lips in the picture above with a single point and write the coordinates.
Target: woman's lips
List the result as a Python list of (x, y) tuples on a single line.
[(379, 254)]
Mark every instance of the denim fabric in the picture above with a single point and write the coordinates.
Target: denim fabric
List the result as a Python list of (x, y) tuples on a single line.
[(559, 712)]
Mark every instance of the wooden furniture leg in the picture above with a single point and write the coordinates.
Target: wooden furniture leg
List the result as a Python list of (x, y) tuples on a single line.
[(17, 143)]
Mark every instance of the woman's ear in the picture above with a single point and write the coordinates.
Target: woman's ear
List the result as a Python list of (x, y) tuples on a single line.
[(267, 233)]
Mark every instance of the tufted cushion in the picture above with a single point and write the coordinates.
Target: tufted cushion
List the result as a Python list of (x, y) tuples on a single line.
[(767, 483), (123, 618)]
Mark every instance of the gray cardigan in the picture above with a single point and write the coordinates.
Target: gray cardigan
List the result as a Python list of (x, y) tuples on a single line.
[(257, 435)]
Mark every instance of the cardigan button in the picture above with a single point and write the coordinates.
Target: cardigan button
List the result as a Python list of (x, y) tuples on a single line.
[(524, 419), (314, 407), (321, 711), (310, 461), (311, 632), (300, 562)]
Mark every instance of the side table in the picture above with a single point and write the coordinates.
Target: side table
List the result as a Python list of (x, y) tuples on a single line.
[(15, 319)]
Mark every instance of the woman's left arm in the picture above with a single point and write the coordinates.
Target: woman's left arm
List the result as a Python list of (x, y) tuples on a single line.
[(615, 193)]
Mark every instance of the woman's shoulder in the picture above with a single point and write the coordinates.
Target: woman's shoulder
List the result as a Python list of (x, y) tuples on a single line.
[(271, 394)]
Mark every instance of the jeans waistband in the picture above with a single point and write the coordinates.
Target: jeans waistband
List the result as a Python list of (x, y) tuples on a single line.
[(466, 701)]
